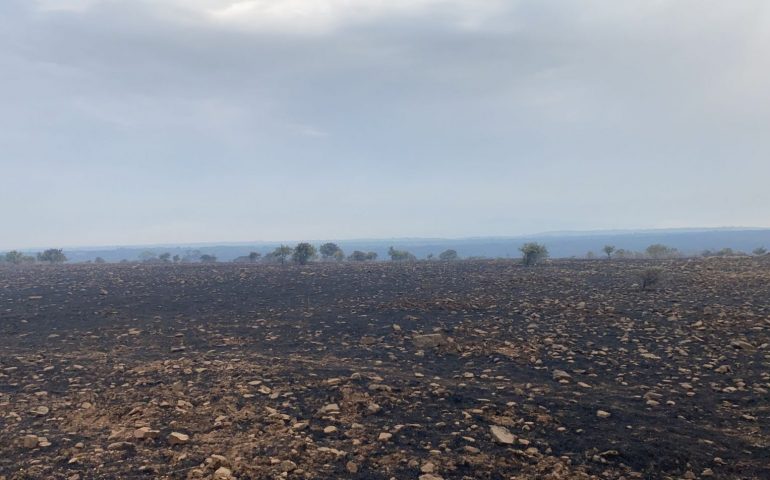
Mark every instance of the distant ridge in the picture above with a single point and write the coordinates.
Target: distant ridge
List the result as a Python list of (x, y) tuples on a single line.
[(563, 244)]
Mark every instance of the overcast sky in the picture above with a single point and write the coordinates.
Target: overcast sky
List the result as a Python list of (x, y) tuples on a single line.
[(177, 121)]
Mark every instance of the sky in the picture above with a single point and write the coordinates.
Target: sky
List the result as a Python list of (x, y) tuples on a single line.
[(176, 121)]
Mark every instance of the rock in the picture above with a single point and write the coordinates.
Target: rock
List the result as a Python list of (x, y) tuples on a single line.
[(502, 435), (176, 438), (330, 408), (351, 467), (145, 433), (739, 344), (384, 436), (430, 476), (288, 466), (123, 446), (603, 414), (561, 375), (29, 441), (40, 411), (330, 429), (429, 341), (428, 467), (223, 473)]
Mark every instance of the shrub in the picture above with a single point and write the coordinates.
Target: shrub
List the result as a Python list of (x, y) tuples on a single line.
[(303, 253), (533, 253), (331, 251), (400, 255), (650, 277), (52, 255), (658, 251), (448, 255), (14, 256)]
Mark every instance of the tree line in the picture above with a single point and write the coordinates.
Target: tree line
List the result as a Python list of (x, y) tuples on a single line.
[(532, 253)]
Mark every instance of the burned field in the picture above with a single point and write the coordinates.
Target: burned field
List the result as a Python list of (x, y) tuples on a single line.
[(376, 371)]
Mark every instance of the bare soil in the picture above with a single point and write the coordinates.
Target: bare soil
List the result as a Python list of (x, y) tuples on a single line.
[(324, 371)]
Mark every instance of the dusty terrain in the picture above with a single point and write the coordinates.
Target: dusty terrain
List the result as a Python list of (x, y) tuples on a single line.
[(377, 371)]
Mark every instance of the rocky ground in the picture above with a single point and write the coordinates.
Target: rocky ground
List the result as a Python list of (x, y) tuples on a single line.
[(375, 371)]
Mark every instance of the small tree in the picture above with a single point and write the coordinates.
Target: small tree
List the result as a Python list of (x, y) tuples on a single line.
[(357, 256), (590, 255), (206, 258), (658, 251), (99, 260), (400, 255), (147, 256), (282, 252), (303, 253), (164, 257), (760, 251), (609, 250), (52, 255), (331, 251), (175, 259), (254, 256), (14, 256), (371, 256), (533, 253), (448, 255)]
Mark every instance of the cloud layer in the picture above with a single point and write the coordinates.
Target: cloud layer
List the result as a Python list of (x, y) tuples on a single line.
[(200, 120)]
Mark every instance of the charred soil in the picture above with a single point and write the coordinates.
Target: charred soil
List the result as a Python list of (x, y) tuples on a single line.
[(452, 370)]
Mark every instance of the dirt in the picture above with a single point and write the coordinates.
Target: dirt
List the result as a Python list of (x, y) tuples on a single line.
[(453, 370)]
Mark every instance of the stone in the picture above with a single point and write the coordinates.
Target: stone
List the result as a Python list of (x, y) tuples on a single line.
[(603, 414), (429, 341), (29, 441), (502, 435), (145, 433), (384, 436), (330, 408), (177, 438), (428, 467), (223, 473)]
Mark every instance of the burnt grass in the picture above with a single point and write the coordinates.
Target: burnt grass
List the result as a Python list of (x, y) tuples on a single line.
[(242, 359)]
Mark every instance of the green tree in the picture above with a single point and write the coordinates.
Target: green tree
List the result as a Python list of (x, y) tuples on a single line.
[(14, 256), (609, 250), (99, 260), (448, 255), (147, 256), (254, 256), (52, 255), (303, 253), (282, 252), (206, 258), (760, 251), (658, 251), (533, 253), (175, 259), (400, 255), (330, 251), (164, 257), (371, 256), (357, 256)]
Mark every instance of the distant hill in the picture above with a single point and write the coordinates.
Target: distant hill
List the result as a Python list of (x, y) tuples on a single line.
[(560, 244)]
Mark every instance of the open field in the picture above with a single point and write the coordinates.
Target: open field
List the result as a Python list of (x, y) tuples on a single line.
[(385, 370)]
